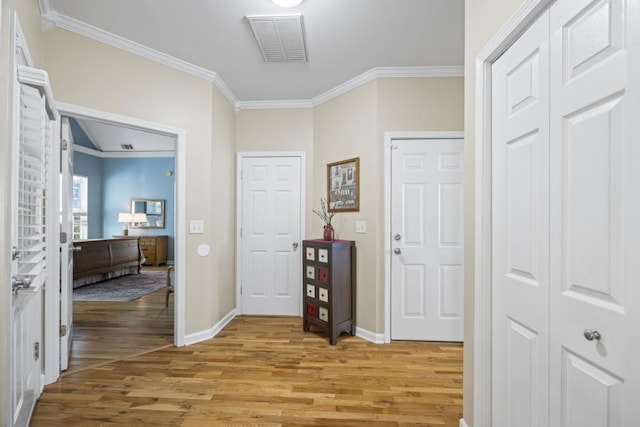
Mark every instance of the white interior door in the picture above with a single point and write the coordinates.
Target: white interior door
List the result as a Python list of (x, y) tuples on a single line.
[(270, 235), (595, 211), (66, 243), (427, 240)]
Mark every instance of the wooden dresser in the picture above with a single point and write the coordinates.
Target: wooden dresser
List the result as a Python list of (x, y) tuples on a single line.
[(154, 249), (329, 286)]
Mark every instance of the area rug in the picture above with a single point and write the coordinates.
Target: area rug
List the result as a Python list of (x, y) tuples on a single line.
[(122, 289)]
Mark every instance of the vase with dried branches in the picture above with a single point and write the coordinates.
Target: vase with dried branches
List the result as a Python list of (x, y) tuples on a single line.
[(326, 217)]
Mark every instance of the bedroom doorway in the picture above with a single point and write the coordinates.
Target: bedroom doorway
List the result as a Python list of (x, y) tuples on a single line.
[(166, 321)]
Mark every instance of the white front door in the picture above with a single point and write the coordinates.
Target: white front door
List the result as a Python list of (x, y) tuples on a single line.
[(595, 213), (66, 245), (270, 235), (427, 240), (520, 179)]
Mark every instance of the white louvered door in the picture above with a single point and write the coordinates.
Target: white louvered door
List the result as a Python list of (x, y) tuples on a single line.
[(30, 267)]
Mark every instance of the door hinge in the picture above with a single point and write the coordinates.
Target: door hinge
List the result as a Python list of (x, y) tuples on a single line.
[(36, 350), (241, 173), (63, 237), (63, 330), (240, 231), (240, 289), (64, 145)]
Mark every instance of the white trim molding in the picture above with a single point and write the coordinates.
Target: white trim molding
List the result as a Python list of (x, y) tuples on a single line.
[(207, 334), (121, 154), (370, 336), (386, 72), (463, 423), (52, 18), (389, 137), (260, 105), (180, 153), (482, 393)]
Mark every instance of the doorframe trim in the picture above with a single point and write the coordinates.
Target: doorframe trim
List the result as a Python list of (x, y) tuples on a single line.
[(482, 304), (389, 137), (240, 156), (180, 203)]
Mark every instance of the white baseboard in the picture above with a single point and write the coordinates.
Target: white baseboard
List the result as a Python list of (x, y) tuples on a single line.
[(463, 423), (210, 333), (370, 336)]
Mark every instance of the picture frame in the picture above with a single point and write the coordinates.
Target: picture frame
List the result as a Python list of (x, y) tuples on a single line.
[(343, 185)]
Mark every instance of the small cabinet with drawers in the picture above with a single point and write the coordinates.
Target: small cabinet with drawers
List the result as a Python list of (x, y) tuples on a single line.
[(329, 286), (154, 249)]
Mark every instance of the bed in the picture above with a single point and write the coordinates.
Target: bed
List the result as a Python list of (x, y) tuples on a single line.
[(102, 259)]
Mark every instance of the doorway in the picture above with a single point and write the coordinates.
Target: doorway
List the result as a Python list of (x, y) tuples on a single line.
[(423, 236), (179, 195)]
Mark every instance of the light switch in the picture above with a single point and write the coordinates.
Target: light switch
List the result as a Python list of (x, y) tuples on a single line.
[(196, 226), (361, 227)]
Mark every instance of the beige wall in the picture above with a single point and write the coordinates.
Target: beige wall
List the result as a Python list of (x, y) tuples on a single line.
[(483, 19), (91, 74), (345, 127), (353, 125), (223, 215)]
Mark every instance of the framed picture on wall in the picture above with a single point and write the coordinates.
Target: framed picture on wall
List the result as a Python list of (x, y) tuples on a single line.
[(343, 185)]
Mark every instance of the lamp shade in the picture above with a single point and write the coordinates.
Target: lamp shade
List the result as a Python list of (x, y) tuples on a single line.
[(125, 217), (287, 3), (139, 217)]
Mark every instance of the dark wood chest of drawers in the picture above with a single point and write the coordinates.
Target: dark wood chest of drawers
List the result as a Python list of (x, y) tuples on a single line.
[(154, 249), (329, 286)]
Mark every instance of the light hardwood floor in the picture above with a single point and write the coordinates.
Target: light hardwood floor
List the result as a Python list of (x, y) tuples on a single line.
[(108, 331), (265, 371)]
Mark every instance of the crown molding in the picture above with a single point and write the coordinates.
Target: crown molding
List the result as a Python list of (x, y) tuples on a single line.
[(261, 105), (65, 22), (51, 18), (385, 73), (121, 155)]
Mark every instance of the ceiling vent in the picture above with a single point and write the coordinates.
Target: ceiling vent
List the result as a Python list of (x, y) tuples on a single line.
[(126, 146), (280, 37)]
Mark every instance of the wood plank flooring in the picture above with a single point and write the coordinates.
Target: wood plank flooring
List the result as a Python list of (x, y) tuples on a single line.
[(108, 331), (265, 371)]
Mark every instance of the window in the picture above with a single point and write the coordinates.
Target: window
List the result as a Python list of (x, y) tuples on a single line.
[(79, 206)]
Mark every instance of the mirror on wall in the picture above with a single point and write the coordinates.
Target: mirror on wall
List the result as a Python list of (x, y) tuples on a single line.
[(154, 210)]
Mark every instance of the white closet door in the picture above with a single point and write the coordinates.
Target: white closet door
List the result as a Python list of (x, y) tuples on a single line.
[(595, 215), (520, 230)]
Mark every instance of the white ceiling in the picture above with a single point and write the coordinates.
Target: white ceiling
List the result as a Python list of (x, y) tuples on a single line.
[(108, 138), (344, 38)]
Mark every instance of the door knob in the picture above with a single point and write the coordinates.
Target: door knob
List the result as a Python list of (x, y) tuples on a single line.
[(397, 251), (14, 253), (592, 335), (20, 283), (295, 245), (397, 237)]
